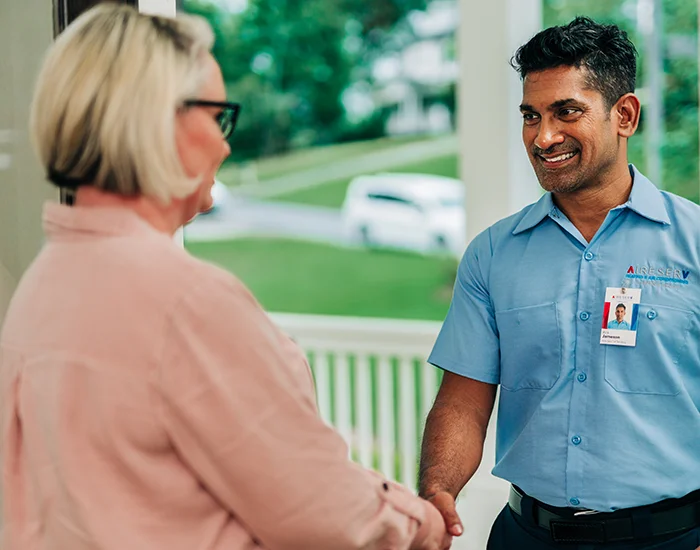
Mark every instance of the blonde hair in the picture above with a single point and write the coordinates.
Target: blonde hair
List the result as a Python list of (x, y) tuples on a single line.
[(106, 99)]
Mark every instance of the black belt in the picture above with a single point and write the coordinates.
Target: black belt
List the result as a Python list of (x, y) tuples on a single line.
[(587, 526)]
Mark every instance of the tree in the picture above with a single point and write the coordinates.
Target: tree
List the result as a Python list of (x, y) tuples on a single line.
[(288, 63)]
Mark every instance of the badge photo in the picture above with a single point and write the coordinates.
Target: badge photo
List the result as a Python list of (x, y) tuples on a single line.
[(620, 315)]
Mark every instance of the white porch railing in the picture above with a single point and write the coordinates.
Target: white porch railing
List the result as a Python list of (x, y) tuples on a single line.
[(372, 384)]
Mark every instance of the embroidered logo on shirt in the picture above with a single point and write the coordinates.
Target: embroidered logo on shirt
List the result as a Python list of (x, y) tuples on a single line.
[(657, 275)]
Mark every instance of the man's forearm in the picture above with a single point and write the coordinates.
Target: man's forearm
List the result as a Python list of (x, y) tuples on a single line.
[(451, 452), (455, 430)]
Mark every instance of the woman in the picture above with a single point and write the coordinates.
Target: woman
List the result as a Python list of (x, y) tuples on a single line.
[(148, 402)]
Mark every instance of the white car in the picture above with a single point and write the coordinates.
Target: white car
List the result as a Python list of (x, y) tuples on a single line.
[(419, 212)]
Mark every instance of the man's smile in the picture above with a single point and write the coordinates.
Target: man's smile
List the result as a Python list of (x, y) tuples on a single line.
[(558, 159)]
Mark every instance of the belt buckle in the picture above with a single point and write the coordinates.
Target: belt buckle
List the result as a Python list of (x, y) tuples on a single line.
[(586, 513), (581, 532)]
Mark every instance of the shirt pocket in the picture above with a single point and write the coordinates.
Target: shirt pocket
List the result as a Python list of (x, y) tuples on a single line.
[(651, 367), (530, 342)]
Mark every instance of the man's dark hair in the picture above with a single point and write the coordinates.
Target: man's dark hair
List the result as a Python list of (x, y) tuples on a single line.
[(622, 306), (604, 50)]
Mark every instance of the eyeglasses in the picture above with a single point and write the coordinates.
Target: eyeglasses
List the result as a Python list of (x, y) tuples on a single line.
[(228, 116)]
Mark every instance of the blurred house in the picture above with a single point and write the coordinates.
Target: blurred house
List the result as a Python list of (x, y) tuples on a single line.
[(416, 80)]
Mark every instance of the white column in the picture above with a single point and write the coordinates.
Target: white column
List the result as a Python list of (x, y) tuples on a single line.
[(498, 175), (26, 31), (494, 165)]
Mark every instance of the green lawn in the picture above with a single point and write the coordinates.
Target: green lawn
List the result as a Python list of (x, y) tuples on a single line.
[(333, 193), (300, 277)]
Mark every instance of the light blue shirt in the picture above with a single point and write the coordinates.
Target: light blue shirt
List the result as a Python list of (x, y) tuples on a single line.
[(623, 325), (579, 423)]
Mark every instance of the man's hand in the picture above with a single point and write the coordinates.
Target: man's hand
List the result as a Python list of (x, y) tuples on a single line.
[(445, 504)]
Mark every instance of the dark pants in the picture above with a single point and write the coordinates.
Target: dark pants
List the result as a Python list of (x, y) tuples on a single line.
[(513, 532)]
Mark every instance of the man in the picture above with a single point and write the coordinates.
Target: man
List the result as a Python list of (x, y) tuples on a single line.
[(619, 322), (600, 442)]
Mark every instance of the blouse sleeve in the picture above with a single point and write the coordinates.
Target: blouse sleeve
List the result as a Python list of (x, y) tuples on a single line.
[(239, 418)]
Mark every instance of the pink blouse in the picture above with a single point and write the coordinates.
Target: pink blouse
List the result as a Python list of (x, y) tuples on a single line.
[(148, 402)]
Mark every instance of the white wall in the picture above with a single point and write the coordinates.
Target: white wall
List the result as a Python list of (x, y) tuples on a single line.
[(26, 30)]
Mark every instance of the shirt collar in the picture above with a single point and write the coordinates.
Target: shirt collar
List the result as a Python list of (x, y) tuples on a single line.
[(537, 212), (645, 199)]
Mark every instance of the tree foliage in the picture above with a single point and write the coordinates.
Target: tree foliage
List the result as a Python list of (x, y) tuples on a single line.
[(289, 61)]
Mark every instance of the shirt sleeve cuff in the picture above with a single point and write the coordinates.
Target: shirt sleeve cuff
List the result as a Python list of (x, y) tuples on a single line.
[(488, 377)]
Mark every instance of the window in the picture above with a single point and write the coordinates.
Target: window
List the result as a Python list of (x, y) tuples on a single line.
[(391, 199)]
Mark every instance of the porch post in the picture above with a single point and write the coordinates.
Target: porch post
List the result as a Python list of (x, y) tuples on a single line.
[(494, 165), (498, 176)]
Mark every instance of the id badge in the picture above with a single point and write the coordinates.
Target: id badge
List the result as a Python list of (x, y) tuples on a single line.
[(620, 315)]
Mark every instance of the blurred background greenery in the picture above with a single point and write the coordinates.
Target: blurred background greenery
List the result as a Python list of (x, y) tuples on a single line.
[(316, 83)]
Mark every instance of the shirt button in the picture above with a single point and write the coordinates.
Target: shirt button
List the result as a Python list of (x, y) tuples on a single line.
[(574, 501), (581, 377), (576, 440), (584, 316), (651, 314), (589, 256)]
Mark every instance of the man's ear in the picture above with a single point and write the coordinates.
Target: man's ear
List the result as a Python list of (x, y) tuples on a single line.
[(626, 113)]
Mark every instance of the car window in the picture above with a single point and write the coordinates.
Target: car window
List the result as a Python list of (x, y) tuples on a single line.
[(389, 198)]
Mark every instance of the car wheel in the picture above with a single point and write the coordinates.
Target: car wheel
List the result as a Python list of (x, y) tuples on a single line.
[(440, 244)]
